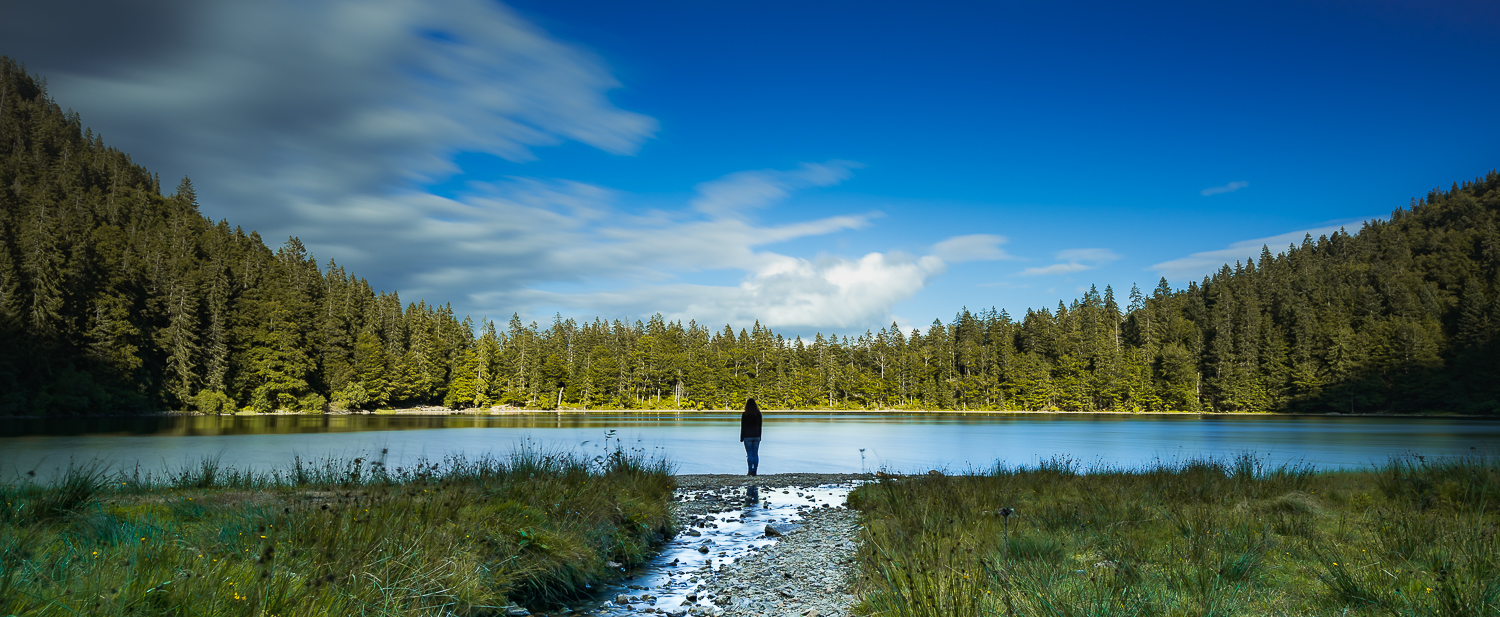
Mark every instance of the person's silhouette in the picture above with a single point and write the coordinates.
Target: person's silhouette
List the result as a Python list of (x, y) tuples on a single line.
[(750, 434)]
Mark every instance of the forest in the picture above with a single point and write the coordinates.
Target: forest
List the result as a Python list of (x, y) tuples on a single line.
[(118, 297)]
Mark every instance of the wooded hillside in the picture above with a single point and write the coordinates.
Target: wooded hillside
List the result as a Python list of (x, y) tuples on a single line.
[(117, 298)]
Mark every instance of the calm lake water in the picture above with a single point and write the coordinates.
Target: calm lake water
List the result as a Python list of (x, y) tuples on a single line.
[(708, 442)]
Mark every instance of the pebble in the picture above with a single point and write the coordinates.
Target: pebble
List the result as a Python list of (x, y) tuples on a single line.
[(806, 573)]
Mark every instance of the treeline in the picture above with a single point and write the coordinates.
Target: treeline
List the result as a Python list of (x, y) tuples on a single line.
[(115, 298)]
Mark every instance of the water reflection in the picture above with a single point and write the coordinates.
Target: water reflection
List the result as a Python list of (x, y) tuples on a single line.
[(708, 442)]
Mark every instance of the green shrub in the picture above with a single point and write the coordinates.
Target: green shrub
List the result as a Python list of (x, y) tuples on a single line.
[(351, 398), (312, 403), (213, 402)]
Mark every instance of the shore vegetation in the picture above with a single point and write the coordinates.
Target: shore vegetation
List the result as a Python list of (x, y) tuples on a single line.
[(1415, 537), (459, 536)]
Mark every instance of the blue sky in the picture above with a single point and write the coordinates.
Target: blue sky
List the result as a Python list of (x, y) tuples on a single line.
[(817, 166)]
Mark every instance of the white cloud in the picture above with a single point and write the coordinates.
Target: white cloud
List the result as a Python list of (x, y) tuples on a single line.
[(1227, 188), (1092, 255), (1200, 264), (737, 192), (1063, 268), (535, 246), (325, 119), (972, 247), (786, 292), (1074, 260), (287, 113)]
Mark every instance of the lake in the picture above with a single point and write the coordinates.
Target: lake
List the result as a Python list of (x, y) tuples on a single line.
[(708, 442)]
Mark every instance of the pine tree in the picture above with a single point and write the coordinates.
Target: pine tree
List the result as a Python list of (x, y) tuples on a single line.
[(279, 364), (1473, 315)]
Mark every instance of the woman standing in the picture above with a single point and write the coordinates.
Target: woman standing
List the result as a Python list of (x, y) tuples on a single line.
[(750, 434)]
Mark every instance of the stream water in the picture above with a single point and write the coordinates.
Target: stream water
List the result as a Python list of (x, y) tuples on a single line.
[(734, 528)]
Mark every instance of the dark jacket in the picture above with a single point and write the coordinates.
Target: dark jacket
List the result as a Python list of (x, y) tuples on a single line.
[(750, 422)]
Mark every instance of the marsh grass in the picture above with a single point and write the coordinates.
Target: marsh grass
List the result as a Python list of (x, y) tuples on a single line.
[(1413, 537), (334, 537)]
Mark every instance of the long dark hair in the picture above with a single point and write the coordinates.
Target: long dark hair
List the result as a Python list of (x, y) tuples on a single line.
[(751, 407)]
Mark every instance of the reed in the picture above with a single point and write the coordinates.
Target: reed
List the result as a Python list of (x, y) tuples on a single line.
[(458, 536), (1202, 537)]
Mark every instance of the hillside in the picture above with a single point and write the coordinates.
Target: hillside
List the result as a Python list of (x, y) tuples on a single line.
[(116, 297)]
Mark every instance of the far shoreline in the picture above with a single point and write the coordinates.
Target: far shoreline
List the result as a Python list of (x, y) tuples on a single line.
[(434, 411)]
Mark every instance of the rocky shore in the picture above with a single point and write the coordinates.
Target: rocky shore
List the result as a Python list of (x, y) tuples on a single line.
[(806, 572)]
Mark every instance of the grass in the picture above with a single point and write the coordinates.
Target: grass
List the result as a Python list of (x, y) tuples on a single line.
[(341, 537), (1414, 537)]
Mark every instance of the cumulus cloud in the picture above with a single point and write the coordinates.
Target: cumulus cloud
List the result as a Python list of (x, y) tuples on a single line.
[(1073, 260), (510, 245), (1227, 188), (535, 246), (1200, 264), (972, 247), (786, 292)]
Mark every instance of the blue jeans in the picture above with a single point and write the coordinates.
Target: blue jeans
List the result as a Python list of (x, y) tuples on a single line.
[(752, 452)]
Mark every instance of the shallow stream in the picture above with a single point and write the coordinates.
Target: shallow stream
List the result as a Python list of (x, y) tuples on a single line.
[(733, 527)]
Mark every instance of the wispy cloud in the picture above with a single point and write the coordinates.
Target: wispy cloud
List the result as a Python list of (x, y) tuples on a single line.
[(1227, 188), (1063, 268), (972, 247), (326, 120), (1089, 255), (536, 246), (1206, 262), (737, 192), (1073, 260), (280, 102)]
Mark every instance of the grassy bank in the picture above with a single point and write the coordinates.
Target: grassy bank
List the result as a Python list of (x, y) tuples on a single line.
[(1416, 537), (457, 536)]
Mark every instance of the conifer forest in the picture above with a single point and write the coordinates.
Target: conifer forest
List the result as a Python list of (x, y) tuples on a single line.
[(118, 296)]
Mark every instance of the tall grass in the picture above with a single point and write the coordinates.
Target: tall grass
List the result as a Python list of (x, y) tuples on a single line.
[(464, 536), (1204, 537)]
